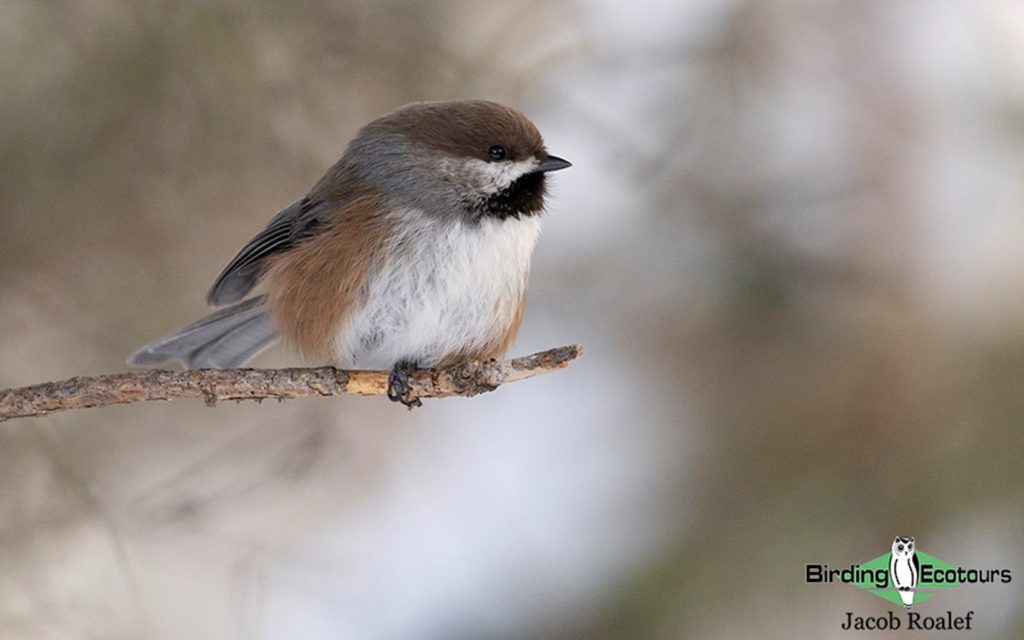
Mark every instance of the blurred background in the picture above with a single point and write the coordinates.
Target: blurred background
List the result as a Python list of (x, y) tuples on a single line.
[(790, 245)]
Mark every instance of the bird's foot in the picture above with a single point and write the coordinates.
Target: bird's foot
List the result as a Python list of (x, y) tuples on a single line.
[(399, 389)]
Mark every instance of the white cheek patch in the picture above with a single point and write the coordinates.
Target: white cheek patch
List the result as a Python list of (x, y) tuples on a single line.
[(495, 176)]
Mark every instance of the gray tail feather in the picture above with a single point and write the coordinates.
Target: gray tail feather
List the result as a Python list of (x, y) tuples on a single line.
[(221, 340)]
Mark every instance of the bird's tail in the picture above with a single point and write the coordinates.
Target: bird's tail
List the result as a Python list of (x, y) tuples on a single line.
[(221, 340)]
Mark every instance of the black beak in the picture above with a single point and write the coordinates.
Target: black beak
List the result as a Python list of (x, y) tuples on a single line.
[(552, 163)]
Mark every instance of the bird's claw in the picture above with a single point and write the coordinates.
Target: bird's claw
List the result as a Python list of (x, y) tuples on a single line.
[(399, 389)]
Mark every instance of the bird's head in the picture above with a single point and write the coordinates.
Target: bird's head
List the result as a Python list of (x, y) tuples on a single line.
[(473, 158)]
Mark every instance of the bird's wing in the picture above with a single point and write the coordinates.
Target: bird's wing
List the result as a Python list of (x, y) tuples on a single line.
[(892, 571), (293, 224), (917, 567)]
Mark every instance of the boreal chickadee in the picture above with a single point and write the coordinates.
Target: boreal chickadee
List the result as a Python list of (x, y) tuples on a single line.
[(413, 250)]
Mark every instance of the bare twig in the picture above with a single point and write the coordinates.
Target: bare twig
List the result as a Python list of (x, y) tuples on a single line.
[(466, 379)]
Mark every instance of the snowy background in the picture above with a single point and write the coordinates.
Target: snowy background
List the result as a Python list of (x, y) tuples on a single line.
[(790, 245)]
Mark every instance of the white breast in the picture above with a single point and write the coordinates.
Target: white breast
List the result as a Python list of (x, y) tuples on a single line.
[(444, 286)]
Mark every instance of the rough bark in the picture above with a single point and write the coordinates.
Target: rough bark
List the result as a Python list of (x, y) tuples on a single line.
[(213, 385)]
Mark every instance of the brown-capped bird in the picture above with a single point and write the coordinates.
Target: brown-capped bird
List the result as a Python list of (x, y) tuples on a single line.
[(412, 251)]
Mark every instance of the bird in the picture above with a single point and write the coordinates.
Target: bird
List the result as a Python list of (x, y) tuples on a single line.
[(412, 251), (904, 568)]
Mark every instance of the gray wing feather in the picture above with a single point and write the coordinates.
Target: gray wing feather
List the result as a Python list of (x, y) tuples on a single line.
[(227, 338), (288, 227), (234, 348)]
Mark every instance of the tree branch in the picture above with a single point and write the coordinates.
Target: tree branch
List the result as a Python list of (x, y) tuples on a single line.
[(467, 379)]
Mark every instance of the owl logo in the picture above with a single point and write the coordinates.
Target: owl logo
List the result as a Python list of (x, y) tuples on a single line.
[(904, 568)]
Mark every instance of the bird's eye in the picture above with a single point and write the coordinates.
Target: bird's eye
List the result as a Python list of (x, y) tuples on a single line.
[(497, 152), (899, 547)]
